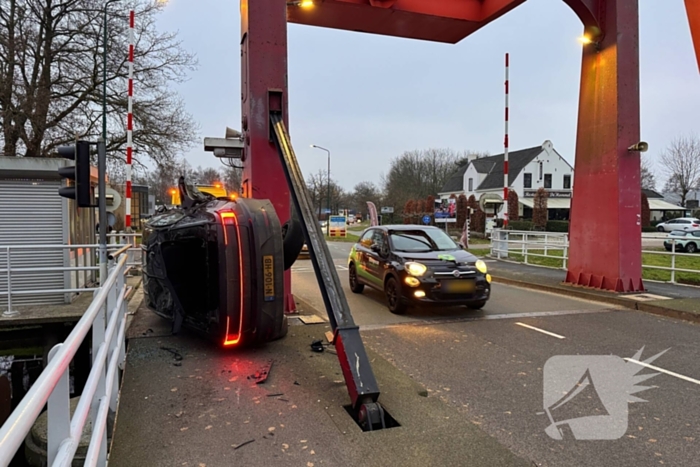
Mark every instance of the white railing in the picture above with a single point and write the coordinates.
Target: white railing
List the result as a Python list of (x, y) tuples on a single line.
[(106, 318), (82, 270), (133, 239), (506, 243)]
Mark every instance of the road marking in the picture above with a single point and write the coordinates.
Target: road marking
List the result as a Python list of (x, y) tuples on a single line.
[(656, 368), (647, 297), (540, 330), (464, 319)]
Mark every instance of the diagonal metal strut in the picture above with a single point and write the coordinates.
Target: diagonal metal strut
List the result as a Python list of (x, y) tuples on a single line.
[(359, 377)]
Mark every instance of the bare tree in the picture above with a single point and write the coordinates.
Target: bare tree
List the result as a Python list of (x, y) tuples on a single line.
[(681, 163), (51, 79), (647, 174), (207, 176), (417, 174), (363, 192)]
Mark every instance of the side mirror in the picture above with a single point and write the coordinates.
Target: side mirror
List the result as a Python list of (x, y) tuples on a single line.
[(375, 248), (461, 245)]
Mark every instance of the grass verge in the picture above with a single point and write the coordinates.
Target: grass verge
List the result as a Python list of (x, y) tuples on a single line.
[(648, 259)]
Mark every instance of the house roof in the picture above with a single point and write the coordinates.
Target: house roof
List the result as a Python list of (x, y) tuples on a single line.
[(651, 194), (517, 160), (456, 182)]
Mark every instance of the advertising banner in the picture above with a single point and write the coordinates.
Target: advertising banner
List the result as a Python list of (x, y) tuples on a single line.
[(445, 211), (372, 214)]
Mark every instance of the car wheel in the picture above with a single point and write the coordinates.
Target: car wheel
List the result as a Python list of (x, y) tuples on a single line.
[(660, 229), (292, 242), (477, 305), (355, 285), (691, 248), (394, 301)]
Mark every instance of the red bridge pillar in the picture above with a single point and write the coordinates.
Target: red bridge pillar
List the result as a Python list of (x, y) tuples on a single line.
[(692, 8), (264, 78), (605, 235)]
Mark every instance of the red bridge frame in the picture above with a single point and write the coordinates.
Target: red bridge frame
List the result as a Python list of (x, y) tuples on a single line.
[(605, 243)]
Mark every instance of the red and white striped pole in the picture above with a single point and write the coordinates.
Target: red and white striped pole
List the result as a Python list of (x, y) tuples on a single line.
[(129, 123), (505, 158)]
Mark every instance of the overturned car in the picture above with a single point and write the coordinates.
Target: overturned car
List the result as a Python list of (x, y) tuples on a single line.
[(216, 266)]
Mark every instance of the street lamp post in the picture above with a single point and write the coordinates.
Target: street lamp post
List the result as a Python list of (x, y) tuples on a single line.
[(328, 226)]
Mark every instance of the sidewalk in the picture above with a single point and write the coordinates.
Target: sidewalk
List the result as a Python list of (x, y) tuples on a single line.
[(672, 300), (186, 402)]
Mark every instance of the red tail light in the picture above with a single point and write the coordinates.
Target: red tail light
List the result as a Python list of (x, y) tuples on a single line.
[(229, 218)]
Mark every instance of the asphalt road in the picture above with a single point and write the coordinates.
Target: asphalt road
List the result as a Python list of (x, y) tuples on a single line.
[(490, 367)]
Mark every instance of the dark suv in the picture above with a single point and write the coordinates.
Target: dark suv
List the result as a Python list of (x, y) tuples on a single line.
[(415, 264)]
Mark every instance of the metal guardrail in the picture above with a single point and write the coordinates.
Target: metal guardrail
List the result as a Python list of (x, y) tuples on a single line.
[(88, 269), (106, 318), (525, 242)]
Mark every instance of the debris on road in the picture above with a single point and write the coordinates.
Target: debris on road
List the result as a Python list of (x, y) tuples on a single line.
[(176, 354), (275, 395), (237, 446), (317, 345), (261, 375), (329, 336)]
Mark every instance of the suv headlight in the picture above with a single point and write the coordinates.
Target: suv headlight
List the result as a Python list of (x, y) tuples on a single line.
[(481, 267), (416, 269)]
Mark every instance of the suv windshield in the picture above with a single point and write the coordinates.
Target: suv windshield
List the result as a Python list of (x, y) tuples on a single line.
[(421, 240)]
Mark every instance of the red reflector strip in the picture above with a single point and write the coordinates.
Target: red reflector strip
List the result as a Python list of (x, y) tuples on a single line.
[(229, 218)]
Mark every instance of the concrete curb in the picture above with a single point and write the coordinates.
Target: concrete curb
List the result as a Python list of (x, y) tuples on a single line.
[(613, 300)]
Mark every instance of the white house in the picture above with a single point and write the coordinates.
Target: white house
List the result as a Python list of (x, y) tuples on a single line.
[(528, 170)]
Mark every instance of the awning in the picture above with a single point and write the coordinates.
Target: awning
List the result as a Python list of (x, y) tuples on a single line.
[(661, 205), (552, 203)]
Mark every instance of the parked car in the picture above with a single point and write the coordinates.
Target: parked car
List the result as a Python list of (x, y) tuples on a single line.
[(417, 265), (685, 241), (682, 223)]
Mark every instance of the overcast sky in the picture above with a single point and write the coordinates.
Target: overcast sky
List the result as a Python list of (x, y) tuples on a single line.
[(368, 98)]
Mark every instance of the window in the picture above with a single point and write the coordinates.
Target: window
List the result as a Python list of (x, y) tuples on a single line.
[(366, 239), (471, 184), (548, 180), (421, 240), (696, 233), (567, 181), (541, 168), (527, 180)]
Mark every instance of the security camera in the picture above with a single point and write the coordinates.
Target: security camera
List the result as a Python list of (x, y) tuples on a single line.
[(639, 147)]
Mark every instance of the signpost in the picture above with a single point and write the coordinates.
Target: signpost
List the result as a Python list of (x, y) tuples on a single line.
[(338, 227)]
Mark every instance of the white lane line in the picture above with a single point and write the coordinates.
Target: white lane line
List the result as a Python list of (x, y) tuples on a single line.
[(540, 330), (656, 368)]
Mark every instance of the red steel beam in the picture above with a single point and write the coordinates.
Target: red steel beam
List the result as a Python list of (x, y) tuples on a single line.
[(605, 249), (692, 7), (264, 82), (447, 21)]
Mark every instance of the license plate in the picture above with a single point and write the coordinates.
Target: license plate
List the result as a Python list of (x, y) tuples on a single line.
[(461, 286), (269, 278)]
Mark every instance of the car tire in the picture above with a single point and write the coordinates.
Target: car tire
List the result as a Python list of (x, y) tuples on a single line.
[(660, 229), (292, 242), (355, 285), (477, 305), (691, 248), (394, 297)]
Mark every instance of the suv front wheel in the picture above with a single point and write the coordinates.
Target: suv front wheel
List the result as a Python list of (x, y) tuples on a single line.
[(394, 297)]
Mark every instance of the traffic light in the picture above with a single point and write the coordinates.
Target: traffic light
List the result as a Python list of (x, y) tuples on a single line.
[(79, 173)]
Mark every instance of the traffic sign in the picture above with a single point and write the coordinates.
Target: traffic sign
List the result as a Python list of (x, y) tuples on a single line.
[(426, 220)]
